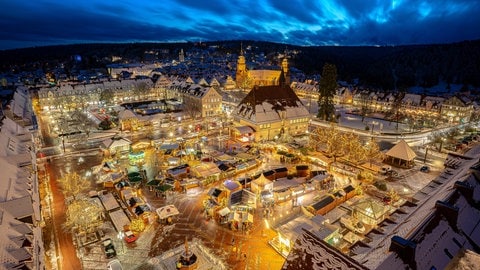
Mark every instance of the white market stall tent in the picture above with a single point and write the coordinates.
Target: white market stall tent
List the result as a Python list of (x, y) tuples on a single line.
[(261, 183), (167, 211)]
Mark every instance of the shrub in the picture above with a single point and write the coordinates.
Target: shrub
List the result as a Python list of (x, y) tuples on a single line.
[(381, 185)]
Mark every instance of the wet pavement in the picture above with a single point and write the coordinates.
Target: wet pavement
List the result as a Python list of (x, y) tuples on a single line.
[(247, 251)]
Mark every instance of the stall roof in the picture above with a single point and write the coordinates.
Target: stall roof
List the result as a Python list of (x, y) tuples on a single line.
[(206, 169), (402, 151), (245, 129), (326, 200), (163, 187), (223, 212), (169, 146), (214, 192), (167, 211)]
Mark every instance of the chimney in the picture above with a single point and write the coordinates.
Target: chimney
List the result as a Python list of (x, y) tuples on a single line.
[(465, 189), (405, 250), (450, 212)]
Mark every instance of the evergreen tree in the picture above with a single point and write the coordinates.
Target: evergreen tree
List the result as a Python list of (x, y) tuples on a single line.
[(327, 88)]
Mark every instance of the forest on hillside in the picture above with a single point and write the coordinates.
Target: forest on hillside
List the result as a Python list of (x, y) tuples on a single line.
[(386, 67)]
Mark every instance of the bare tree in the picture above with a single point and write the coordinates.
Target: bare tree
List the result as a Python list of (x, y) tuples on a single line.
[(192, 108)]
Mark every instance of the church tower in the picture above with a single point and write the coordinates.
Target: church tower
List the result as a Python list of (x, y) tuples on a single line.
[(285, 70), (181, 56), (241, 75)]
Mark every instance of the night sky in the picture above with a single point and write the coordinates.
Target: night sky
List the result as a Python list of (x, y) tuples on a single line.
[(26, 23)]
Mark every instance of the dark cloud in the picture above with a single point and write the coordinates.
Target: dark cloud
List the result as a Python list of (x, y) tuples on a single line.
[(300, 22)]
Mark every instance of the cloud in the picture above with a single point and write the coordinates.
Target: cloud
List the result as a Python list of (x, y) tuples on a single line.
[(299, 22)]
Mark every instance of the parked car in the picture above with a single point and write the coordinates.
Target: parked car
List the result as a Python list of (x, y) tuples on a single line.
[(130, 237), (425, 169), (109, 248), (385, 169), (114, 265), (387, 199)]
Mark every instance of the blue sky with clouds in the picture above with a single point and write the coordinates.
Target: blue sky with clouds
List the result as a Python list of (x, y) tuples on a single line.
[(26, 23)]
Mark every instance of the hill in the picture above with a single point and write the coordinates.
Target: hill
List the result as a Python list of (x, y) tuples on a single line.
[(387, 67)]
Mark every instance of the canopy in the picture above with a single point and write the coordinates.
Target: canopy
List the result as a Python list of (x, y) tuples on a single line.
[(223, 212), (206, 169), (167, 211), (153, 182), (135, 179), (163, 188), (133, 174), (401, 151), (261, 183)]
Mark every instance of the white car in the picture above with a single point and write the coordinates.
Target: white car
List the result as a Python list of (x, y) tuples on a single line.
[(114, 265)]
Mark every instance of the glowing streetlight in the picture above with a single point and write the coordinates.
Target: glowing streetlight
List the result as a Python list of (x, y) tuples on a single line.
[(120, 236)]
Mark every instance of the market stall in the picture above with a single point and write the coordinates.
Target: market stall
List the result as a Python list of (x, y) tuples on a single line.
[(166, 213)]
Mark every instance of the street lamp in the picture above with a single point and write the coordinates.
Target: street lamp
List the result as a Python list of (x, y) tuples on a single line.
[(441, 144), (120, 236), (373, 125), (426, 152)]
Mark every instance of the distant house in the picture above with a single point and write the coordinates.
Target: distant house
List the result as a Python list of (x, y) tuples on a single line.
[(198, 100), (457, 109), (21, 245)]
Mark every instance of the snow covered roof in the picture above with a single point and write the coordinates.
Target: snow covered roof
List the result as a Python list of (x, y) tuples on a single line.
[(261, 181), (294, 228), (126, 114), (413, 99), (205, 169), (18, 208), (15, 239), (266, 104), (310, 252), (402, 151), (431, 231), (16, 182), (117, 142)]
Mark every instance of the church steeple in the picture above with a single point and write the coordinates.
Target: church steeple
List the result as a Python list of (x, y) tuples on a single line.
[(241, 74), (286, 70), (181, 56)]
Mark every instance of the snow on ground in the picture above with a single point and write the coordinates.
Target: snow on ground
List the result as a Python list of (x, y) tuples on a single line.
[(406, 226)]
